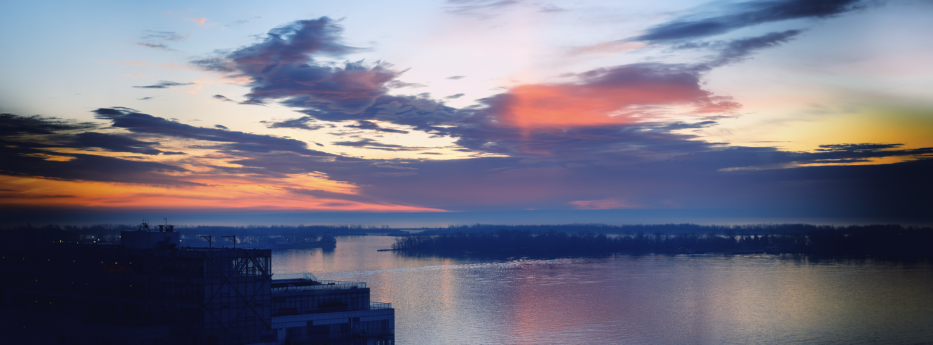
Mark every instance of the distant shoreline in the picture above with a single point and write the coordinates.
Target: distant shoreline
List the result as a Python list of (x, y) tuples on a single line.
[(881, 240), (568, 239)]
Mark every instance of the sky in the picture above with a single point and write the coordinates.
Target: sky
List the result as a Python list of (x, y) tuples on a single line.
[(411, 113)]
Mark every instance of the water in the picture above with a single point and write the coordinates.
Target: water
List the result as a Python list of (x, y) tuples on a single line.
[(625, 299)]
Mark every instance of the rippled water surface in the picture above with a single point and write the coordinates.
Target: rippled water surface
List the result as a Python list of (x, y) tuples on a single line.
[(626, 299)]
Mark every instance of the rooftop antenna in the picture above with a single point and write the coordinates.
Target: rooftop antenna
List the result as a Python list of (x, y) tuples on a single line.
[(208, 241), (233, 237)]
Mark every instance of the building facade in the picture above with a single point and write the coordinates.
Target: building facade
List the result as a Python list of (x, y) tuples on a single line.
[(148, 291)]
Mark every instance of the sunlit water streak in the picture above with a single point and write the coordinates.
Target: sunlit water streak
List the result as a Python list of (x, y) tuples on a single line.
[(624, 299)]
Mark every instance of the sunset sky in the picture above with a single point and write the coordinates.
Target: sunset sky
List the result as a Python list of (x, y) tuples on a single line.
[(466, 111)]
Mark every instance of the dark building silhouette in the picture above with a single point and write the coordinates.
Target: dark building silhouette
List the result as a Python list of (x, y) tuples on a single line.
[(148, 291)]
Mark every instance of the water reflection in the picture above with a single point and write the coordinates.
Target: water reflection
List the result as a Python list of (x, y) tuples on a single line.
[(647, 299)]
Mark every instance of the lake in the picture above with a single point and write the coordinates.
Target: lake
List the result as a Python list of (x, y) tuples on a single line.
[(634, 299)]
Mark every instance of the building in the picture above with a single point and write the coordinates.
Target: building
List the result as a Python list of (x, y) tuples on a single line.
[(147, 290)]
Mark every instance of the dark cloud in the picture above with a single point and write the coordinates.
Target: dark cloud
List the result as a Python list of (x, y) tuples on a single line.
[(147, 124), (740, 15), (456, 77), (652, 168), (30, 162), (375, 145), (145, 98), (222, 98), (857, 147), (37, 132), (363, 124), (155, 46), (213, 64), (25, 140), (422, 113), (349, 89), (397, 84), (692, 180), (113, 142), (842, 153), (163, 85), (684, 125), (455, 96), (303, 122), (737, 50), (221, 127), (12, 125), (282, 67)]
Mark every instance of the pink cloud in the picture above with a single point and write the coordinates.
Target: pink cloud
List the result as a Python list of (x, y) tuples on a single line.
[(613, 96)]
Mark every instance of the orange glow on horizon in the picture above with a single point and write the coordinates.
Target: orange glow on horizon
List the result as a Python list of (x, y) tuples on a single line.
[(221, 193)]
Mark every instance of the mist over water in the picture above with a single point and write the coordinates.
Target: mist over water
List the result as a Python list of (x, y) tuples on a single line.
[(646, 299)]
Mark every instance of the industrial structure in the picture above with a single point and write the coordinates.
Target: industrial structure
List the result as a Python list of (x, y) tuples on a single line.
[(147, 290)]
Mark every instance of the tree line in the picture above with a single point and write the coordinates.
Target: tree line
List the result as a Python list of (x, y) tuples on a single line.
[(886, 240)]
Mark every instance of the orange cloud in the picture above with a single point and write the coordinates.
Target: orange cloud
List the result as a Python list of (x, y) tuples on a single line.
[(197, 20), (221, 193), (562, 106)]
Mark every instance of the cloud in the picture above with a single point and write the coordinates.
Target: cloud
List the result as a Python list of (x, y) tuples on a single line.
[(156, 39), (200, 21), (424, 114), (86, 167), (155, 46), (367, 143), (222, 98), (213, 64), (845, 153), (363, 124), (624, 94), (737, 50), (857, 147), (396, 84), (739, 15), (113, 142), (163, 85), (14, 125), (137, 122), (145, 98), (25, 142), (221, 127), (455, 96), (299, 123), (282, 67), (456, 77), (151, 35)]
